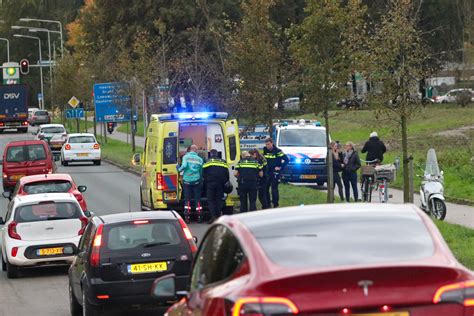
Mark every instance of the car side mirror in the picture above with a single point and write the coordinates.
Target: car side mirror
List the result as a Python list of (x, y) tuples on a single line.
[(195, 239), (41, 136), (34, 133), (136, 159), (164, 288), (89, 214), (7, 195), (2, 221), (82, 188)]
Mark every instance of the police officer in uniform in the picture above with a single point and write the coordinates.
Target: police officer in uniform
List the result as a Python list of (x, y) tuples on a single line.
[(216, 174), (276, 161), (262, 181), (248, 171)]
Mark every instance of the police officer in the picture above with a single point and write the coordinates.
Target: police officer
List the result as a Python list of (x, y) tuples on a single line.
[(262, 197), (248, 170), (215, 174), (276, 161)]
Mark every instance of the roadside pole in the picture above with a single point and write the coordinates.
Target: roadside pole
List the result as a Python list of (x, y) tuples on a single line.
[(132, 129), (95, 122), (78, 125), (411, 198)]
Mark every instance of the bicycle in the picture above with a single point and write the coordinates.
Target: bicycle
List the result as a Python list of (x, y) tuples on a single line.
[(383, 175), (368, 179)]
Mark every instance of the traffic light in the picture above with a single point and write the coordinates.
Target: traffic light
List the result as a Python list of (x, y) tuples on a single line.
[(24, 66), (11, 71)]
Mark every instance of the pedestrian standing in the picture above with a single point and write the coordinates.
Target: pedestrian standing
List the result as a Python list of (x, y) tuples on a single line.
[(350, 165), (248, 170), (337, 165), (276, 161), (192, 182), (262, 197), (215, 174)]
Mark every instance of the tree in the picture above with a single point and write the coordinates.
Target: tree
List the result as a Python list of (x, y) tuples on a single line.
[(322, 47), (398, 60)]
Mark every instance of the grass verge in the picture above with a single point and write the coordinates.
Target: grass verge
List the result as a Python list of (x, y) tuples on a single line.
[(119, 153), (460, 240), (125, 128)]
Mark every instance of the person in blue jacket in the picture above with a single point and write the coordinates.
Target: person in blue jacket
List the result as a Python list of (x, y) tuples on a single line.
[(191, 167)]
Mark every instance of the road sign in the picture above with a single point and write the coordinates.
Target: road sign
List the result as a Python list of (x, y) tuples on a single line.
[(75, 113), (11, 73), (74, 102), (112, 102)]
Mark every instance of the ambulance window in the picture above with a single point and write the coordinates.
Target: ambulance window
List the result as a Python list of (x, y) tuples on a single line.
[(170, 147), (232, 147)]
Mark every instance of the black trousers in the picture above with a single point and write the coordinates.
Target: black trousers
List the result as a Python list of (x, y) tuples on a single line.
[(248, 195), (215, 193), (272, 183), (350, 180), (338, 181)]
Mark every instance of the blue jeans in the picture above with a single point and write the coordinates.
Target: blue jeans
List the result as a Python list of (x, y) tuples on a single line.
[(192, 193), (350, 179)]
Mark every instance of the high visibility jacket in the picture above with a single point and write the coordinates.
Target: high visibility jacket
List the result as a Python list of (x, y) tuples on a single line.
[(275, 158), (248, 169), (215, 171), (192, 167)]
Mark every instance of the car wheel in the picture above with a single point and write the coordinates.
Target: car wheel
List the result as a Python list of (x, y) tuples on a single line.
[(87, 308), (4, 264), (97, 162), (12, 270), (65, 163), (74, 306)]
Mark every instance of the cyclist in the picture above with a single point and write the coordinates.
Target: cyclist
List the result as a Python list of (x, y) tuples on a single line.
[(374, 147)]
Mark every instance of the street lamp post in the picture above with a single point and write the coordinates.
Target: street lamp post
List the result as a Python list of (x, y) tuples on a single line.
[(40, 58), (49, 21), (8, 47)]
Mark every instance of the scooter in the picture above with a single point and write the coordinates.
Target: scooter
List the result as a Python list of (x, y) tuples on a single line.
[(432, 188)]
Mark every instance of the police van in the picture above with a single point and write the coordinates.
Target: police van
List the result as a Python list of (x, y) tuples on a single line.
[(168, 138), (304, 143)]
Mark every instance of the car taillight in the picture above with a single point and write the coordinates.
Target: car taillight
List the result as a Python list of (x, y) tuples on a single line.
[(2, 124), (96, 146), (14, 251), (159, 181), (140, 222), (12, 231), (78, 197), (188, 235), (95, 252), (257, 306), (462, 293), (67, 147), (84, 222), (24, 123)]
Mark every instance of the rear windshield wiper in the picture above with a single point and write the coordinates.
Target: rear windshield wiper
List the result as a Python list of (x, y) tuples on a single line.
[(154, 244), (52, 218)]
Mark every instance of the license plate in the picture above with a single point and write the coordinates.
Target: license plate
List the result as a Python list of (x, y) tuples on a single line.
[(50, 251), (385, 314), (83, 154), (56, 146), (308, 176), (17, 177), (170, 195), (147, 267)]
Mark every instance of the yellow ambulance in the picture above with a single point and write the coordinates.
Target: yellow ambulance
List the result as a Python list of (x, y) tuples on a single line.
[(168, 138)]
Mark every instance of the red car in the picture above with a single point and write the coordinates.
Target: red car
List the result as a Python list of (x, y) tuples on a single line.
[(49, 183), (25, 158), (341, 259)]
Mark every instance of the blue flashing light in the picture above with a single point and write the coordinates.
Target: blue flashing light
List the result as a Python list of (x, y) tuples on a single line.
[(192, 116), (318, 123), (298, 160), (202, 115)]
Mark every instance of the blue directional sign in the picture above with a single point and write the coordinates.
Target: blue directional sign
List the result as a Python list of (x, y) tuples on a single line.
[(112, 102), (75, 113)]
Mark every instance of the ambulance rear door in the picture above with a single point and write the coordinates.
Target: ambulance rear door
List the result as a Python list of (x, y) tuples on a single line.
[(232, 149), (168, 179)]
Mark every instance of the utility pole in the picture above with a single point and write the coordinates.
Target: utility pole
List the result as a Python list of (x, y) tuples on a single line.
[(132, 127)]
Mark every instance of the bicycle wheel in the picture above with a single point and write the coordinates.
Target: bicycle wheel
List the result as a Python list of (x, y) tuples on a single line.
[(383, 196), (370, 188), (363, 188)]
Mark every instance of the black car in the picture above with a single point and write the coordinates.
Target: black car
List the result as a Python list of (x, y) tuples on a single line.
[(119, 256)]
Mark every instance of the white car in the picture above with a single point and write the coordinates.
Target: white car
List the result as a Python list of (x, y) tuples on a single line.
[(290, 104), (40, 229), (80, 147), (451, 96)]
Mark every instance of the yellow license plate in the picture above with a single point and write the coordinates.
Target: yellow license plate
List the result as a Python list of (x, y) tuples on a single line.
[(17, 177), (147, 267), (170, 195), (57, 146), (83, 155), (385, 314), (50, 251), (308, 176)]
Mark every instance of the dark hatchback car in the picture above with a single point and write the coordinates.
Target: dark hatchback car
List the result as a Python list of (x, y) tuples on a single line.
[(119, 256)]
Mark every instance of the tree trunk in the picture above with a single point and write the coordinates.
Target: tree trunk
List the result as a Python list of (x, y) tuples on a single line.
[(329, 162), (406, 170)]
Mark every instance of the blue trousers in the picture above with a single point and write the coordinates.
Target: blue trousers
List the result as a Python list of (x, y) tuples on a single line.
[(350, 179)]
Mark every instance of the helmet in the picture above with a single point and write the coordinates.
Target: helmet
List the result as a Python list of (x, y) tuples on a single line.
[(228, 187)]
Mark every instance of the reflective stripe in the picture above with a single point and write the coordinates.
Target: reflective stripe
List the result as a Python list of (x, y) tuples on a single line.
[(249, 165), (215, 164), (280, 154), (270, 156)]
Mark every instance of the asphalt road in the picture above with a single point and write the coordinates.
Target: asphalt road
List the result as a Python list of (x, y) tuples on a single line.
[(43, 291)]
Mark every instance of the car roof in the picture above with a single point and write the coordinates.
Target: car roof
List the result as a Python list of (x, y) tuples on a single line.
[(45, 177), (125, 217), (80, 134), (25, 142), (37, 198), (306, 126), (51, 125)]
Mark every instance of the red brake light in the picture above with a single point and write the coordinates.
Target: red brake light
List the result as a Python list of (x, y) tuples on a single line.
[(95, 252), (345, 311), (84, 222), (79, 197), (96, 146), (141, 222), (12, 231), (103, 297), (263, 306), (462, 293), (159, 181), (67, 147), (2, 124), (14, 251), (188, 235), (24, 123)]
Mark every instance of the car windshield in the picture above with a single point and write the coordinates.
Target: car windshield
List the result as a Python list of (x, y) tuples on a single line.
[(302, 138), (48, 210), (344, 239), (144, 234), (81, 140), (41, 113), (53, 130), (50, 186)]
